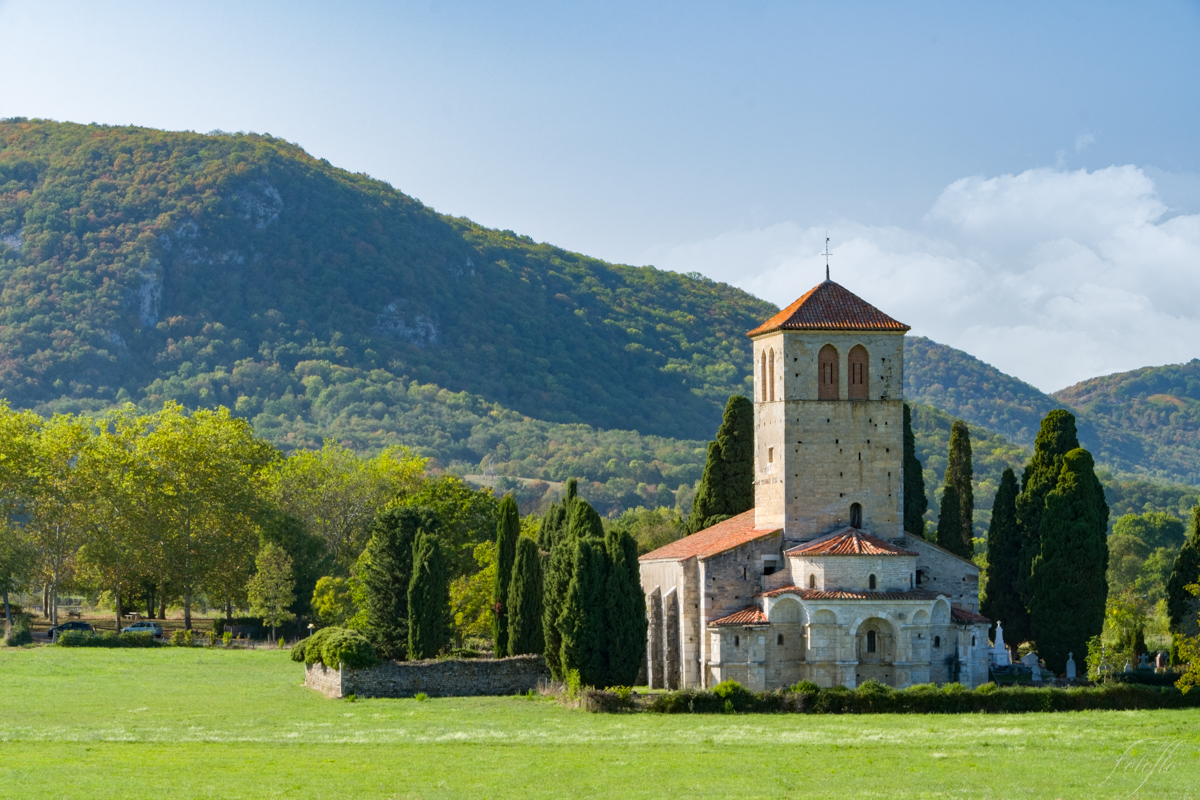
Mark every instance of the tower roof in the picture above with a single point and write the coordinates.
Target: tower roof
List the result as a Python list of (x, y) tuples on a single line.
[(829, 306), (849, 542)]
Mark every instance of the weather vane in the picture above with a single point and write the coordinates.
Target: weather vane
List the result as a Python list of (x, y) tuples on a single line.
[(826, 254)]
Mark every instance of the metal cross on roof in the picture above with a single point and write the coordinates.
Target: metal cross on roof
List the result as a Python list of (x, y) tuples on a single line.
[(826, 254)]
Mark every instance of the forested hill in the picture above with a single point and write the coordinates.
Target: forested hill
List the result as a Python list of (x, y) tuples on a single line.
[(237, 269), (1144, 423), (1157, 409)]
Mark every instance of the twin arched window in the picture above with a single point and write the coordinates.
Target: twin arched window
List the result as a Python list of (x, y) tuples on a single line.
[(768, 375), (859, 379)]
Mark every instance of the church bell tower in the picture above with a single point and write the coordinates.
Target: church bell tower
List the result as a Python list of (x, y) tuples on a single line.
[(828, 417)]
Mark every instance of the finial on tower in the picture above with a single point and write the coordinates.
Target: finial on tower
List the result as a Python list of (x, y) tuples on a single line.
[(826, 254)]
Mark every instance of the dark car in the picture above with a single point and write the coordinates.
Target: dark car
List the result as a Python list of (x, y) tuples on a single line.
[(69, 626)]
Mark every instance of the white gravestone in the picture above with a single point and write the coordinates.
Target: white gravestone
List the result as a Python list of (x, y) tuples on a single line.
[(1031, 661), (999, 651), (1070, 666)]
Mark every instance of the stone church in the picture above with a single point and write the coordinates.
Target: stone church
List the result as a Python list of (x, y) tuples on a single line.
[(819, 581)]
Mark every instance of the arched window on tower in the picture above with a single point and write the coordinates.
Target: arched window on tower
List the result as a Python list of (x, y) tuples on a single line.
[(771, 373), (937, 641), (870, 641), (827, 373), (855, 515), (871, 583), (762, 376), (859, 378), (812, 581)]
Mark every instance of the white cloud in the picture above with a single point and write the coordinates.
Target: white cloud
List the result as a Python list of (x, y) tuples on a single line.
[(1051, 276)]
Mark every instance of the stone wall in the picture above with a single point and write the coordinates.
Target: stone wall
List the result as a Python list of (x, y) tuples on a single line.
[(945, 573), (449, 678)]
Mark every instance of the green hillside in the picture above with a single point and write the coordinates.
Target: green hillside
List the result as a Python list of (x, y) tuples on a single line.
[(1158, 408), (139, 263)]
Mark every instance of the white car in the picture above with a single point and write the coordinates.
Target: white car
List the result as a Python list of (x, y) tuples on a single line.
[(152, 628)]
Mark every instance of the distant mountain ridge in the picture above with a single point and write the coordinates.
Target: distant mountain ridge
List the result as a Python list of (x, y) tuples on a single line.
[(140, 265)]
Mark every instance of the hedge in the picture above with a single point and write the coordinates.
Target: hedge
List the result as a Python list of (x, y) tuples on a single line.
[(335, 647), (107, 639), (875, 698)]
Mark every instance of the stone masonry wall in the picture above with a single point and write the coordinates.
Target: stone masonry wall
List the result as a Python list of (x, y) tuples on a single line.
[(450, 678)]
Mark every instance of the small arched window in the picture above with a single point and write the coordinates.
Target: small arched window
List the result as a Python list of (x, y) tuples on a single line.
[(972, 640), (771, 373), (871, 582), (871, 640), (857, 384), (855, 515), (812, 581), (937, 641), (827, 373), (762, 375), (737, 642), (779, 639)]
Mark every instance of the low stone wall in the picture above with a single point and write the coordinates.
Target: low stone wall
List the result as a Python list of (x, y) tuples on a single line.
[(450, 678)]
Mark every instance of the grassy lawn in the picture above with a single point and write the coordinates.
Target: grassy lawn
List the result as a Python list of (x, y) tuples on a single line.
[(174, 723)]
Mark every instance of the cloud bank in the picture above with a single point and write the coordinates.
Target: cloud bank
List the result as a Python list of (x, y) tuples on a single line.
[(1049, 275)]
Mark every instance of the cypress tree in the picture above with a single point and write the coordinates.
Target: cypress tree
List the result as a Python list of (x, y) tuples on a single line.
[(525, 601), (508, 528), (1181, 604), (1055, 439), (727, 484), (1068, 586), (428, 599), (956, 518), (1002, 602), (556, 579), (625, 610), (385, 569), (582, 621), (915, 501)]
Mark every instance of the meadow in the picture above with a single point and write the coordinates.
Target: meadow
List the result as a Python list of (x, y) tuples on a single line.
[(200, 723)]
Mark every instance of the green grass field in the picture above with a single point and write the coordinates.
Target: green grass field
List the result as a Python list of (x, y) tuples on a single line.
[(174, 723)]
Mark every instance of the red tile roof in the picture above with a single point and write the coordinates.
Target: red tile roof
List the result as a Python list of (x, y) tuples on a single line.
[(846, 594), (962, 615), (849, 542), (829, 306), (723, 536), (751, 615)]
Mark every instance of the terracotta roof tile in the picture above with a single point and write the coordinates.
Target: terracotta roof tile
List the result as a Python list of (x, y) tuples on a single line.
[(723, 536), (962, 615), (849, 542), (751, 615), (846, 594), (829, 306)]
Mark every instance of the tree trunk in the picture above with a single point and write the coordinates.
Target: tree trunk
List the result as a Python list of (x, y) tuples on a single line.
[(119, 609), (187, 610), (46, 600), (7, 613), (54, 601), (228, 610), (150, 604), (162, 601)]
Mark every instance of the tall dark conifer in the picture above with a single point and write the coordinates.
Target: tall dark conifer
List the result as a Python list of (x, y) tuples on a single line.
[(385, 569), (727, 484), (625, 610), (1181, 604), (956, 517), (428, 599), (915, 501), (508, 528), (525, 601), (1002, 602), (1055, 439), (582, 621), (1068, 585)]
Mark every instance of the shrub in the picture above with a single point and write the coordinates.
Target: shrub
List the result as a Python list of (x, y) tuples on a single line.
[(108, 639), (805, 687), (297, 649), (227, 639), (18, 636), (183, 638), (347, 648), (420, 697), (735, 696)]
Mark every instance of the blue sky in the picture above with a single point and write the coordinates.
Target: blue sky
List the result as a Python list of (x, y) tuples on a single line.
[(1004, 178)]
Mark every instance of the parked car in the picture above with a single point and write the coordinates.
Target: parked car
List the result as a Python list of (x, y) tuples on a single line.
[(69, 626), (145, 626)]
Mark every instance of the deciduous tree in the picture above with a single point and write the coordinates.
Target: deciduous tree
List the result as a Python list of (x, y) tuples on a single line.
[(272, 590)]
